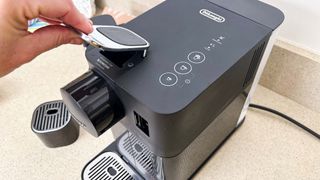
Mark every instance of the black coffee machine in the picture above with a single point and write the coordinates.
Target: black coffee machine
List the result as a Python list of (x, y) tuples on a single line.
[(180, 98)]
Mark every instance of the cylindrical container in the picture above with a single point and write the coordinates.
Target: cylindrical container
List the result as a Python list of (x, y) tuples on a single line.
[(54, 125), (92, 103)]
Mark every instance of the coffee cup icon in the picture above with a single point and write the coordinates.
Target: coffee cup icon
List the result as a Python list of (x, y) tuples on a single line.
[(196, 57)]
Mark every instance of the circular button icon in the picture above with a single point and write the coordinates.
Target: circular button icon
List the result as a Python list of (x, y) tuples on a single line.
[(196, 57), (182, 68), (168, 79)]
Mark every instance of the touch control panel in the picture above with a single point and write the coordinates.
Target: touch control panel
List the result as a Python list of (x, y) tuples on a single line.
[(182, 69), (182, 72)]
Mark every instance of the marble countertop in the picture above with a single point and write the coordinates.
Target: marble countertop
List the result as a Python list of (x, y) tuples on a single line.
[(265, 147)]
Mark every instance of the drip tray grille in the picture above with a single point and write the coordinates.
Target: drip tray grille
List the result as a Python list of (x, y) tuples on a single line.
[(109, 166), (138, 154)]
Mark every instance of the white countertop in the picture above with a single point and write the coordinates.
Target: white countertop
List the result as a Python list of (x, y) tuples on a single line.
[(265, 147)]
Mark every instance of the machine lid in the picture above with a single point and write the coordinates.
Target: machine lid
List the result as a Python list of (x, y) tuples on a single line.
[(255, 10)]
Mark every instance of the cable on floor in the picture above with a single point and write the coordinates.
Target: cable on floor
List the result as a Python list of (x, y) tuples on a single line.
[(287, 118)]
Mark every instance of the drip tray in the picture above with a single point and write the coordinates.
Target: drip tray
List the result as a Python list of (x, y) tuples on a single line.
[(109, 166), (137, 154)]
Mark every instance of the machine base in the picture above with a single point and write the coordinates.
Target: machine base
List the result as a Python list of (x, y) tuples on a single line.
[(125, 165)]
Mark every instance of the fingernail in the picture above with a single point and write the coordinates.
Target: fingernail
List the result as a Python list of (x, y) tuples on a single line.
[(90, 24)]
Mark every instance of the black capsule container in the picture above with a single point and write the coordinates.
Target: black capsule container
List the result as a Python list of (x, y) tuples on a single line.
[(92, 103), (54, 125)]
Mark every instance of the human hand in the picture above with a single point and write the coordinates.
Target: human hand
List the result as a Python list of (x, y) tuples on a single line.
[(18, 46)]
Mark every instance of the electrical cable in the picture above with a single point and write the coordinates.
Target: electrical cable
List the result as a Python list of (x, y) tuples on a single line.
[(287, 118)]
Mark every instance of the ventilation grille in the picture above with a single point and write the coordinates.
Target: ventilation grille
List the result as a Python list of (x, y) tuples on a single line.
[(137, 153), (254, 63), (50, 116), (108, 166)]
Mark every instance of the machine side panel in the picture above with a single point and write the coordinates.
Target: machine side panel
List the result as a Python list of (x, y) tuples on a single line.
[(186, 163)]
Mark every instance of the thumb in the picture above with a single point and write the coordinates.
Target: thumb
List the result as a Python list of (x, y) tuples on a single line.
[(47, 38)]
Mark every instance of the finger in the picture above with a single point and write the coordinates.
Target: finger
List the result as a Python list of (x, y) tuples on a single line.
[(76, 41), (64, 10), (44, 39), (53, 21)]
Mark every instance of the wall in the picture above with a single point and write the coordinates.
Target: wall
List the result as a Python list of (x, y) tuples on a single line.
[(293, 69), (302, 24)]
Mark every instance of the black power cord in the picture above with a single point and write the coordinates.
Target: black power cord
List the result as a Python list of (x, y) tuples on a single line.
[(287, 118)]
